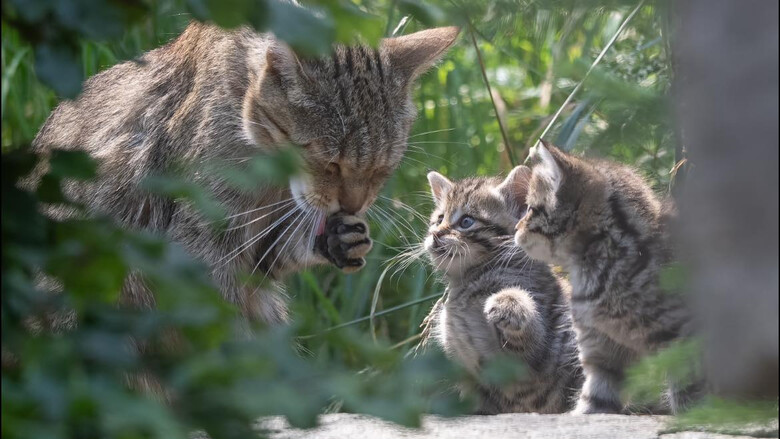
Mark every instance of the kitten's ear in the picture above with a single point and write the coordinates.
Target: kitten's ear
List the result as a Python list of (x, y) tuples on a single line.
[(415, 53), (548, 159), (440, 185), (514, 188)]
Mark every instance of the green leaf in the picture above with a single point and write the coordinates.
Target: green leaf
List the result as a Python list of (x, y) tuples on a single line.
[(503, 370), (753, 418), (59, 66), (231, 13), (673, 278), (98, 19), (72, 164), (677, 364), (354, 25), (180, 189), (308, 31), (426, 13)]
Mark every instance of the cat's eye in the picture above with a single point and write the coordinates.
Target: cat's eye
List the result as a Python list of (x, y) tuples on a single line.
[(466, 222)]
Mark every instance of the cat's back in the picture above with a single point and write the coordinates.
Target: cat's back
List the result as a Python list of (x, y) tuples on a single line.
[(157, 91)]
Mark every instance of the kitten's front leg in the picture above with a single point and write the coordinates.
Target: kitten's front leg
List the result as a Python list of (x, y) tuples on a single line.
[(345, 242), (603, 363), (513, 312)]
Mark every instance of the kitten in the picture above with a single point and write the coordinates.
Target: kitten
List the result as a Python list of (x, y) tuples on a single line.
[(496, 302), (603, 224), (214, 94)]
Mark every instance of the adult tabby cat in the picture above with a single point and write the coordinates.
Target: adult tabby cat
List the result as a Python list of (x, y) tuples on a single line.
[(604, 225), (496, 302), (228, 95)]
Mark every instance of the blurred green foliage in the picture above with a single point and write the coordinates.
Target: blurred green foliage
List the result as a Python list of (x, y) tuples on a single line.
[(70, 380), (71, 384)]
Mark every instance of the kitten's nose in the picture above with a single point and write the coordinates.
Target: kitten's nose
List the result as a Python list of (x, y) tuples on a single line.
[(437, 241)]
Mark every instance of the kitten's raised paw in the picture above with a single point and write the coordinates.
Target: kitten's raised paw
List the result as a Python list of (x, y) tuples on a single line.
[(510, 311), (345, 242)]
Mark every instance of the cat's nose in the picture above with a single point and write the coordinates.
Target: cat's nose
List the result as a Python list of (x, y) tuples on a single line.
[(353, 200), (351, 206)]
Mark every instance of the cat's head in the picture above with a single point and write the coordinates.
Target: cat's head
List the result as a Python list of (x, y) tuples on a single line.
[(565, 196), (350, 112), (473, 219)]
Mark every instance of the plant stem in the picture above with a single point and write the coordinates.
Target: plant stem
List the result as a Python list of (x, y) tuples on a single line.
[(380, 313), (510, 154)]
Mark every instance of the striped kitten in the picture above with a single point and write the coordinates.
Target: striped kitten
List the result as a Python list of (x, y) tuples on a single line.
[(496, 301), (604, 225)]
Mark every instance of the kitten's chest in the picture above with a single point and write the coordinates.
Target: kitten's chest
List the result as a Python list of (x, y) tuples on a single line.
[(613, 311)]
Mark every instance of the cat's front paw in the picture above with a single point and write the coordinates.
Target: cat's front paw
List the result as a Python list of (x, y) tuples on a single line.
[(345, 242)]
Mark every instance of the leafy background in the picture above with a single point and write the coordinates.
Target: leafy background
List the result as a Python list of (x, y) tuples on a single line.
[(516, 65)]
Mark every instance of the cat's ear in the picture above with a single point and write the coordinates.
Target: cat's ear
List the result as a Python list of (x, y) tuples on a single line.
[(548, 163), (415, 53), (283, 64), (514, 188), (440, 185)]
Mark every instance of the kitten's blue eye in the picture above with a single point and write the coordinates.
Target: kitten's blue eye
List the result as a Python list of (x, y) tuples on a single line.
[(466, 222)]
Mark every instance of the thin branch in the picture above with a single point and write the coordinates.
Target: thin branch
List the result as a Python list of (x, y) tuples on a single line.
[(507, 145)]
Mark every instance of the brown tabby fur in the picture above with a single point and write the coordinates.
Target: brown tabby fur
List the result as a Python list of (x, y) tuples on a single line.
[(218, 95), (497, 302), (603, 224)]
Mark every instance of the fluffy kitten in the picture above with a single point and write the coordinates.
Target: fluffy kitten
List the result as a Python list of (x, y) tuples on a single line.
[(496, 302), (227, 95), (603, 224)]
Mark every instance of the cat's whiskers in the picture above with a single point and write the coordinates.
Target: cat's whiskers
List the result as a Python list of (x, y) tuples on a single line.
[(404, 260), (425, 133), (314, 227), (307, 216), (438, 142), (439, 262), (406, 157), (378, 211), (400, 219), (265, 215), (406, 207), (258, 236), (416, 148), (372, 214), (260, 208), (276, 241)]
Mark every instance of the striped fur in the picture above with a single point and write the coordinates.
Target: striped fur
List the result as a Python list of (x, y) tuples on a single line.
[(603, 224), (496, 301), (214, 95)]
